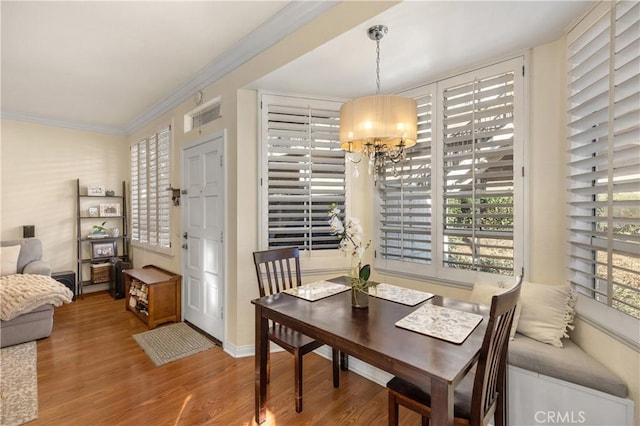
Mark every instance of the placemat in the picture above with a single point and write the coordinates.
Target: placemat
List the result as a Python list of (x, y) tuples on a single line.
[(444, 323), (317, 290), (406, 296)]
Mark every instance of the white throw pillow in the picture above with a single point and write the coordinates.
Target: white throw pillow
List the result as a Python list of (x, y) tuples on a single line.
[(483, 292), (547, 312), (9, 260)]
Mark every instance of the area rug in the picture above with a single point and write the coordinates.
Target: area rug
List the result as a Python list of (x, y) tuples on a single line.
[(18, 384), (172, 342)]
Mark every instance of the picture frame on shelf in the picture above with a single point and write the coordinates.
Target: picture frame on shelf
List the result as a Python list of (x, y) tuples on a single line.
[(103, 249), (94, 212), (95, 190), (109, 209)]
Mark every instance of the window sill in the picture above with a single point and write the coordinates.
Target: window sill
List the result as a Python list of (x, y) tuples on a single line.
[(613, 323), (161, 251)]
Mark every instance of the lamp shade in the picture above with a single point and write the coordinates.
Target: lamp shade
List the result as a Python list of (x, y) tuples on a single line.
[(381, 119)]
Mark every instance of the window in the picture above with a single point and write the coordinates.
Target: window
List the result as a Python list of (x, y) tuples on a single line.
[(405, 198), (452, 210), (477, 165), (303, 171), (604, 149), (150, 200)]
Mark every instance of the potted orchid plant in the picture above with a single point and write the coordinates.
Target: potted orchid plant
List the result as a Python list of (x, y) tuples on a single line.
[(350, 236)]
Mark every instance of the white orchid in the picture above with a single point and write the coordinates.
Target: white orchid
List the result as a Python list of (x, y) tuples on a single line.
[(350, 235)]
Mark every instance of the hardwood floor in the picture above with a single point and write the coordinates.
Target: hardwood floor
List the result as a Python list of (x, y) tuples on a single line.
[(92, 372)]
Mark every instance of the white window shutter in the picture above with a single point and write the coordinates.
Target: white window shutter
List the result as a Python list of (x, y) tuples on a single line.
[(304, 171), (405, 197), (150, 199), (604, 150), (478, 175)]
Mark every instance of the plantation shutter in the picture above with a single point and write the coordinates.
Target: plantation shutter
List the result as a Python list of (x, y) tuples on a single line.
[(305, 171), (405, 197), (478, 174), (150, 200), (604, 150)]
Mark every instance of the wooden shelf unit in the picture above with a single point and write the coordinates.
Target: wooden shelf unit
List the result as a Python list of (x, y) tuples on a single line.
[(163, 291)]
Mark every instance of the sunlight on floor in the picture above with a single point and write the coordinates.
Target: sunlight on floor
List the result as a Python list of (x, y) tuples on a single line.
[(184, 404)]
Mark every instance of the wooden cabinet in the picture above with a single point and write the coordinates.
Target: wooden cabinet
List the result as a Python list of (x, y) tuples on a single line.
[(153, 295)]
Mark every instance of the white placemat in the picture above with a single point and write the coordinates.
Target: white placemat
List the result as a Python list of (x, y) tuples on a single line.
[(406, 296), (317, 290), (444, 323)]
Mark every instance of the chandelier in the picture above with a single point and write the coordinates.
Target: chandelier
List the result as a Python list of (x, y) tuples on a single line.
[(380, 127)]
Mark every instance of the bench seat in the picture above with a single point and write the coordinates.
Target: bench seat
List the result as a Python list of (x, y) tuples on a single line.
[(549, 385), (569, 363)]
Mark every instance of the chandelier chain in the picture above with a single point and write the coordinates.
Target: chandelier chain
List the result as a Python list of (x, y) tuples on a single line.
[(378, 67)]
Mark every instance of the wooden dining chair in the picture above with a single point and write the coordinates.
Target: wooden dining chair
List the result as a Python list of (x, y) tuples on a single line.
[(278, 270), (482, 393)]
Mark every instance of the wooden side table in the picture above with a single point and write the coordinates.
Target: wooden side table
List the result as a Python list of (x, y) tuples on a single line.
[(153, 295)]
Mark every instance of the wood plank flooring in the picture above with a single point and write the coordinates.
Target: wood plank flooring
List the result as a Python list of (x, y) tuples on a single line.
[(92, 372)]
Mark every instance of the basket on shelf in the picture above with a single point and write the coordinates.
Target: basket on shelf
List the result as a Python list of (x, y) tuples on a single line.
[(100, 273)]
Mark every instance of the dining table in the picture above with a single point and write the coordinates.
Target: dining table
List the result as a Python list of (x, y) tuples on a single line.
[(372, 336)]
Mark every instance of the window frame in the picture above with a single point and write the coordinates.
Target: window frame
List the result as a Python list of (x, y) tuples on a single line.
[(163, 198), (435, 272)]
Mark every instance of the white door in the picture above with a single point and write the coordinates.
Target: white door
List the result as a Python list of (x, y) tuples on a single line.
[(203, 235)]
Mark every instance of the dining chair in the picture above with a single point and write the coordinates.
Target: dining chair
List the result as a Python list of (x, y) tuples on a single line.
[(482, 392), (278, 270)]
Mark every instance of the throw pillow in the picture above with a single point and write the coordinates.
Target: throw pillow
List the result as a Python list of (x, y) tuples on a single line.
[(547, 312), (9, 256), (483, 292)]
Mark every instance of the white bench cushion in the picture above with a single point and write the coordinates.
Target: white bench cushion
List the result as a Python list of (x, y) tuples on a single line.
[(569, 363)]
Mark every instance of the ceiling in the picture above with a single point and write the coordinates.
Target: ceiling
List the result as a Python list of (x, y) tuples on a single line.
[(107, 65)]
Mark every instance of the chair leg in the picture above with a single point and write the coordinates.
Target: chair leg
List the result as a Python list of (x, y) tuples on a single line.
[(344, 361), (425, 421), (268, 363), (298, 380), (393, 410), (335, 356), (499, 414)]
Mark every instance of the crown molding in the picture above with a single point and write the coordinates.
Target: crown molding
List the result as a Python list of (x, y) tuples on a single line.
[(30, 118), (289, 19)]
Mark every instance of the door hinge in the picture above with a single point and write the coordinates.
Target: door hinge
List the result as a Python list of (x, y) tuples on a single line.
[(222, 237), (221, 160), (222, 313), (523, 70), (523, 172)]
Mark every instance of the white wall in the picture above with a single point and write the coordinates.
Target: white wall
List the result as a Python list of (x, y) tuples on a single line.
[(40, 165)]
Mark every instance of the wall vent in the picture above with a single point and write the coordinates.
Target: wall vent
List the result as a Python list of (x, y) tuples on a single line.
[(203, 114)]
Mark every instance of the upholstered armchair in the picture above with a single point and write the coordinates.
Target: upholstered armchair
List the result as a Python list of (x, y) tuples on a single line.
[(30, 258)]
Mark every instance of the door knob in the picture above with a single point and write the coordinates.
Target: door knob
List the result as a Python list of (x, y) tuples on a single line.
[(185, 235), (185, 246)]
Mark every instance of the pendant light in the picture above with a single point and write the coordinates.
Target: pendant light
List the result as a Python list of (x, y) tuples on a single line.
[(381, 127)]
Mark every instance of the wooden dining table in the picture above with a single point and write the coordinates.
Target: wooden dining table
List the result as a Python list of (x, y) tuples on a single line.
[(372, 336)]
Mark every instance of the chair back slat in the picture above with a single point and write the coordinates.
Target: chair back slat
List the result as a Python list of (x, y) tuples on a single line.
[(490, 372), (277, 270)]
